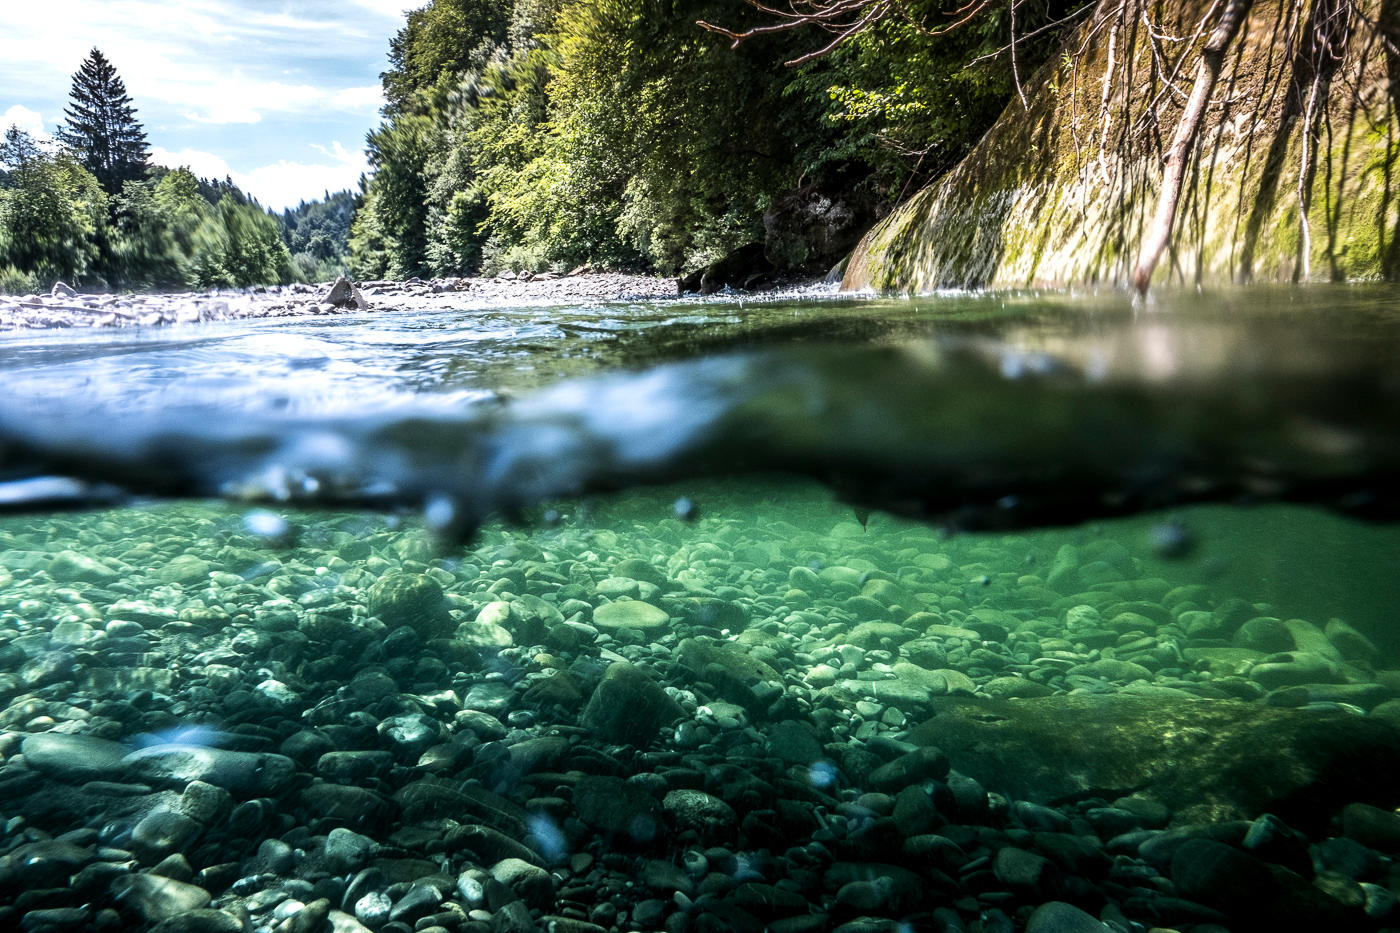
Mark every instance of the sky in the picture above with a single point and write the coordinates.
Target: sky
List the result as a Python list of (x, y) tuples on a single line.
[(277, 95)]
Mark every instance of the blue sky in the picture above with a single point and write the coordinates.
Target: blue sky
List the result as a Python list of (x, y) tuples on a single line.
[(278, 95)]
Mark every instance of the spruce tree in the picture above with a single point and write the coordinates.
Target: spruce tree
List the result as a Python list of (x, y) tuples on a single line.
[(101, 125)]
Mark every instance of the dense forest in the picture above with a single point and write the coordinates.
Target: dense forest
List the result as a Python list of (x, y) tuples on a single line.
[(89, 209), (547, 134), (551, 134)]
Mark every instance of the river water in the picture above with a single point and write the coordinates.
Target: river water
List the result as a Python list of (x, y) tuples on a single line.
[(684, 592)]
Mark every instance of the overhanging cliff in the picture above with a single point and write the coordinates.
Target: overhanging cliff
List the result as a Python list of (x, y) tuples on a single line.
[(1292, 177)]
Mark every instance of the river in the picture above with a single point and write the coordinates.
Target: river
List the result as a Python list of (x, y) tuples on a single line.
[(643, 615)]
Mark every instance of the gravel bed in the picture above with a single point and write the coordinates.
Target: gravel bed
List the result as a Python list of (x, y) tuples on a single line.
[(772, 717)]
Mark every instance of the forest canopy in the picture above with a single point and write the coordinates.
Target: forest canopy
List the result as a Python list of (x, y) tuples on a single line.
[(539, 134)]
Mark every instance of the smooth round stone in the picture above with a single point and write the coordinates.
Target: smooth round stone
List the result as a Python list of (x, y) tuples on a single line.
[(1221, 876), (865, 896), (1372, 826), (710, 817), (533, 884), (638, 569), (154, 898), (75, 633), (420, 901), (373, 909), (1264, 633), (57, 920), (184, 569), (251, 774), (200, 921), (630, 614), (72, 567), (821, 675), (75, 758), (1294, 668), (485, 635), (123, 628), (1059, 917), (277, 694), (161, 833), (469, 886), (410, 733), (490, 697), (613, 587), (628, 706), (1023, 870), (914, 811), (274, 856), (411, 599), (49, 862), (347, 850)]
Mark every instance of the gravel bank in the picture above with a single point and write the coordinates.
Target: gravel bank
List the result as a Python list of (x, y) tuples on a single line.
[(64, 308)]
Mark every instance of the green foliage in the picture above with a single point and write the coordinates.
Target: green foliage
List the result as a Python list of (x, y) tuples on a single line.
[(15, 282), (547, 133), (393, 241), (911, 104), (143, 250), (56, 222), (53, 217), (239, 245), (318, 233), (441, 41)]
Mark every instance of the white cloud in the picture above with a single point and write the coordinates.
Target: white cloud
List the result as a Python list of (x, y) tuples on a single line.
[(286, 183), (391, 8), (362, 99), (214, 61), (203, 164), (282, 184), (24, 118)]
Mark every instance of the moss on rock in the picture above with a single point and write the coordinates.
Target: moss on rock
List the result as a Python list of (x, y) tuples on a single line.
[(1058, 194)]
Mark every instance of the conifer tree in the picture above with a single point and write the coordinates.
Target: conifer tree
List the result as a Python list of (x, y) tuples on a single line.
[(101, 125)]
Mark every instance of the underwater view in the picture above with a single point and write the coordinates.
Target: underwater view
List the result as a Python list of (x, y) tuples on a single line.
[(807, 613)]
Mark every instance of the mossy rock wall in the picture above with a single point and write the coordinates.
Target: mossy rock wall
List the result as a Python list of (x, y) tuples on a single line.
[(1059, 194)]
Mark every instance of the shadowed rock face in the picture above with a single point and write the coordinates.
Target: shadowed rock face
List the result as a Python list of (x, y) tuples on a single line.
[(1208, 760)]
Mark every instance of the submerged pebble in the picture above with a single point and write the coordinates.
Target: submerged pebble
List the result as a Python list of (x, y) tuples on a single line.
[(768, 717)]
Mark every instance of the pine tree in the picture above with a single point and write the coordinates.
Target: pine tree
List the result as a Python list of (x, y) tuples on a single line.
[(101, 125)]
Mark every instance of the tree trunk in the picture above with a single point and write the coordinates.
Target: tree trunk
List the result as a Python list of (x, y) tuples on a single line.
[(1212, 59)]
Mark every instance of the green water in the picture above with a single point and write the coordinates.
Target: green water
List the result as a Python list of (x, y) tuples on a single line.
[(1133, 572)]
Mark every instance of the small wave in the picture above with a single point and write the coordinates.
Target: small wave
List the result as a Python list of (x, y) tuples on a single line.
[(970, 433)]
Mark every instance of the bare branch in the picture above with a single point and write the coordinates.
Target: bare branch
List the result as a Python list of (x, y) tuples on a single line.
[(1033, 33)]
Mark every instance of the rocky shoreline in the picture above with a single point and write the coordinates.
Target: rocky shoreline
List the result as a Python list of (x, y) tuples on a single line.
[(770, 718), (64, 307)]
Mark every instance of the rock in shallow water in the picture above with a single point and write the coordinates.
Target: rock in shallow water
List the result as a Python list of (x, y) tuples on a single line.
[(75, 758), (1204, 759), (1059, 917), (153, 898), (628, 706), (411, 599), (630, 614), (618, 808), (246, 774)]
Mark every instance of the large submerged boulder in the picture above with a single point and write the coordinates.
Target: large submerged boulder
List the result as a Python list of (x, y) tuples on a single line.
[(1207, 760)]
